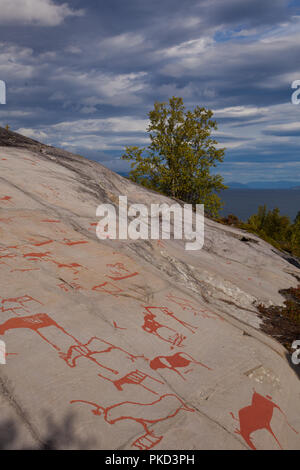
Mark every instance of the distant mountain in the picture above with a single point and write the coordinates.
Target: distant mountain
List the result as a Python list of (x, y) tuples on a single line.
[(235, 185), (251, 184), (264, 185)]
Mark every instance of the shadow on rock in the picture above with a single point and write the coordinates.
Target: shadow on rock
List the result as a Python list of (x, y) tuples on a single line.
[(58, 436)]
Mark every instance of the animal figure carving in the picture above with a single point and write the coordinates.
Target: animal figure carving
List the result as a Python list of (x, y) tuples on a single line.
[(166, 311), (257, 416), (136, 377), (178, 360), (94, 347), (145, 414), (163, 332)]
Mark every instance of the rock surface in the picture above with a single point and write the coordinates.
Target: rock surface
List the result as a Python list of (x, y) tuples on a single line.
[(131, 344)]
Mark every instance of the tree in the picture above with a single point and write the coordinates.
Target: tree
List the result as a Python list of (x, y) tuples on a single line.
[(180, 156), (271, 224), (295, 238)]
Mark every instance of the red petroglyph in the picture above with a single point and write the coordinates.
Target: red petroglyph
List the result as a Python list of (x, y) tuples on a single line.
[(70, 243), (3, 158), (5, 198), (94, 347), (76, 286), (29, 160), (257, 416), (19, 304), (47, 242), (145, 414), (187, 305), (89, 349), (51, 221), (33, 322), (8, 255), (92, 225), (178, 360), (119, 272), (36, 256), (73, 266), (67, 287), (133, 378), (167, 312), (118, 327), (6, 220), (24, 270), (63, 287), (162, 331), (53, 191), (109, 288)]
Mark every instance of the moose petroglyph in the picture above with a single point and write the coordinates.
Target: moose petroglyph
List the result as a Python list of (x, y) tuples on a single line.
[(144, 342)]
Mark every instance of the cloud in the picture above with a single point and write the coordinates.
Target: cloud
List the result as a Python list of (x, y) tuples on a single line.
[(240, 112), (35, 12), (97, 87), (114, 125), (33, 134), (90, 87), (16, 61), (250, 12), (290, 129)]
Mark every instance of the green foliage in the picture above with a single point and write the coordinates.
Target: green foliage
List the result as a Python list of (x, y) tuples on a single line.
[(180, 156), (272, 227)]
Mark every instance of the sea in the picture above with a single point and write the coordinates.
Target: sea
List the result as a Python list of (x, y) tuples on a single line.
[(244, 202)]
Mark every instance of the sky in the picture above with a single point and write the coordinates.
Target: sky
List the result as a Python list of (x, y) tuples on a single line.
[(83, 75)]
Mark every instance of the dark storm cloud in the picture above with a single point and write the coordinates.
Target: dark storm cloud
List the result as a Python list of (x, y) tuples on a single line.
[(70, 67), (248, 12)]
